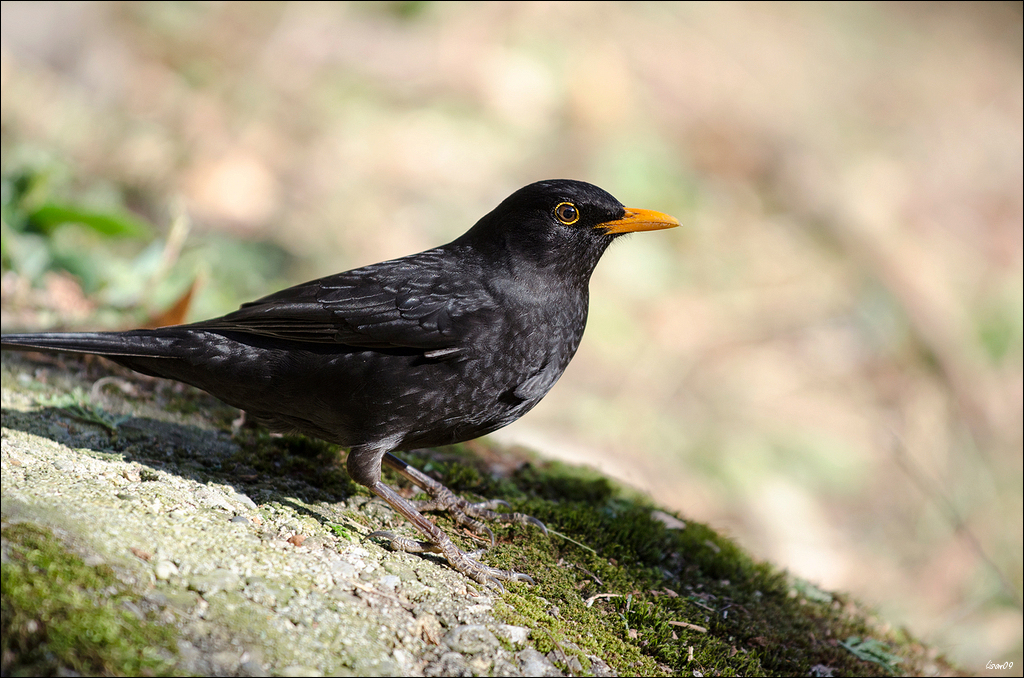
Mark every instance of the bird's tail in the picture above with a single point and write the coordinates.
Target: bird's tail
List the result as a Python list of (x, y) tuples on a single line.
[(136, 343)]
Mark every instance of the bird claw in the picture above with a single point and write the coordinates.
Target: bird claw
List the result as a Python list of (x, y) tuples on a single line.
[(470, 514), (492, 504), (496, 585), (484, 510), (464, 512), (519, 576), (466, 563), (493, 576), (405, 544), (525, 519)]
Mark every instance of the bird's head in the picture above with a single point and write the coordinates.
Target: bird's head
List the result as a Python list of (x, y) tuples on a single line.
[(560, 223)]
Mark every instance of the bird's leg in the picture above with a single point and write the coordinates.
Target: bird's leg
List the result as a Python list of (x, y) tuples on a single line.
[(441, 543), (364, 467), (464, 512)]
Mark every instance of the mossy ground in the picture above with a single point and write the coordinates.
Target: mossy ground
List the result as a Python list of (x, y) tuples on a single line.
[(616, 578), (615, 581), (60, 613)]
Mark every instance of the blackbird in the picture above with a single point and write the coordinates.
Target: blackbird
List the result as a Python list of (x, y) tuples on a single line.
[(430, 349)]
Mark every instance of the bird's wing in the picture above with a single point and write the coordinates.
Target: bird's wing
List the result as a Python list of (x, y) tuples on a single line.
[(413, 302)]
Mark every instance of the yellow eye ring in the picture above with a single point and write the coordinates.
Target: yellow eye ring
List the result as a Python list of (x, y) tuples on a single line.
[(567, 213)]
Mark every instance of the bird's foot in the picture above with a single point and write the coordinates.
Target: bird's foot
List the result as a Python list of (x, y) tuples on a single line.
[(465, 513), (470, 514), (466, 563)]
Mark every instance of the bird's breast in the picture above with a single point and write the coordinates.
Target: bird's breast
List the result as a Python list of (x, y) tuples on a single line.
[(523, 355)]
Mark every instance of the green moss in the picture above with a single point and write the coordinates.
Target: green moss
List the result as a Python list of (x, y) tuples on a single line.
[(60, 614), (652, 600), (615, 582)]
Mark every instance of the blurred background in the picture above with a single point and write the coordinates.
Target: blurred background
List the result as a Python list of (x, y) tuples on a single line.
[(824, 362)]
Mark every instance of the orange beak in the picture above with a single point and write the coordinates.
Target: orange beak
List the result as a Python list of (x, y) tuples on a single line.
[(640, 220)]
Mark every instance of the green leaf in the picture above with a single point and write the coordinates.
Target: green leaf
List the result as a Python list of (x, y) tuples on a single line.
[(874, 651), (76, 405), (52, 215)]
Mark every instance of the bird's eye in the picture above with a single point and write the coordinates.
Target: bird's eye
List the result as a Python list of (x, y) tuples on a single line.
[(567, 213)]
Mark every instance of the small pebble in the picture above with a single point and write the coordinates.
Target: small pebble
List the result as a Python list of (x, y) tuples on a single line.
[(164, 569)]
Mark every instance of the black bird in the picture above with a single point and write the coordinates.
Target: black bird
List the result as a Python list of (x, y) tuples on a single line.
[(431, 349)]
